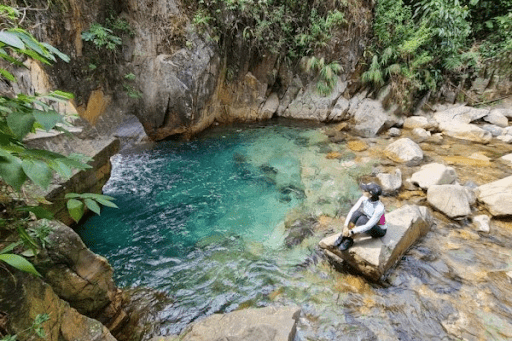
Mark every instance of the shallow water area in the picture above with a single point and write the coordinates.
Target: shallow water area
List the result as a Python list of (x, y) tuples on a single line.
[(211, 223)]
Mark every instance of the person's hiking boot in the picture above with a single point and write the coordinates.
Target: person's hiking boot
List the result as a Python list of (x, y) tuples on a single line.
[(346, 244), (339, 241)]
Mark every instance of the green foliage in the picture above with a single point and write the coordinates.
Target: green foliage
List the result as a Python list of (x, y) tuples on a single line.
[(293, 27), (327, 74), (35, 329), (102, 37), (129, 76), (20, 116), (77, 202)]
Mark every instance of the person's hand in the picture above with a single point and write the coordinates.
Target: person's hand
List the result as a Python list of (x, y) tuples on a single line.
[(346, 232)]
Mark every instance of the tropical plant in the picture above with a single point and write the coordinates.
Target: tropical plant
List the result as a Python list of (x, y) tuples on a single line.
[(35, 329), (327, 74), (102, 37), (24, 114)]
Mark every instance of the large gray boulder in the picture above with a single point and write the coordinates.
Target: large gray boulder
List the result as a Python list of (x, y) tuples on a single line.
[(455, 122), (434, 174), (372, 257), (310, 105), (452, 200), (502, 111), (420, 122), (493, 129), (177, 88), (496, 118), (497, 196), (404, 150), (371, 118), (264, 324)]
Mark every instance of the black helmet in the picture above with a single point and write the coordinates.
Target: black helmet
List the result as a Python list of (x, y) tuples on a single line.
[(372, 188)]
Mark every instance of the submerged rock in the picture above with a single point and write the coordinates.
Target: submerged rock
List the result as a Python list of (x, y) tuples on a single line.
[(264, 324), (452, 200), (404, 150), (434, 174), (497, 196), (372, 257)]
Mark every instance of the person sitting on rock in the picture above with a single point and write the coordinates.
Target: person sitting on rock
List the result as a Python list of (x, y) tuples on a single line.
[(367, 215)]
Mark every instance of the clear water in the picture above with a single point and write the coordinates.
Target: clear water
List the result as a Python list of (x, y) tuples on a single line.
[(202, 220)]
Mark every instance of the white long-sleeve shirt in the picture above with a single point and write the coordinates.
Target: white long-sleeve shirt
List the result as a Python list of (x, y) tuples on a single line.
[(372, 209)]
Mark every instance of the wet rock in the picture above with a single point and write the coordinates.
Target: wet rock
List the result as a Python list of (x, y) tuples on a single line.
[(357, 145), (420, 122), (404, 150), (420, 134), (434, 174), (371, 118), (372, 257), (394, 132), (452, 200), (289, 95), (80, 277), (298, 231), (65, 323), (436, 138), (496, 118), (263, 324), (390, 182), (270, 106), (482, 223), (497, 196), (493, 129)]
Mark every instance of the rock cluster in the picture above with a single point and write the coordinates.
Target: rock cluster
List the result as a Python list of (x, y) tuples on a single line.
[(373, 257)]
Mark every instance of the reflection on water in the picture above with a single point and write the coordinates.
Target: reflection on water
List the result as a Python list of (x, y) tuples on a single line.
[(203, 222)]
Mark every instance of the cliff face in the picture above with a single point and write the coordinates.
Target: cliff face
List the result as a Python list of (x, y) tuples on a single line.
[(184, 76)]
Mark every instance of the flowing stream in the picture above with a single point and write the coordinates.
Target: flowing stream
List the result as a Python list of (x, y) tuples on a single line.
[(207, 222)]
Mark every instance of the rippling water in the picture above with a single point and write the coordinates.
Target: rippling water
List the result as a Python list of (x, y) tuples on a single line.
[(203, 222)]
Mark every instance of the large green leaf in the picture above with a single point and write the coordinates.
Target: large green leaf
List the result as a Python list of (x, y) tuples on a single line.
[(48, 119), (93, 206), (38, 171), (30, 42), (61, 168), (20, 123), (55, 51), (19, 263), (40, 212), (11, 170), (11, 39), (7, 75), (10, 247), (75, 209)]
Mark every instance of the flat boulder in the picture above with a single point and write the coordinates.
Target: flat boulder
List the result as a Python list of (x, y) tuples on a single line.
[(496, 118), (456, 122), (461, 114), (434, 174), (497, 196), (404, 150), (451, 200), (372, 257), (419, 122), (262, 324)]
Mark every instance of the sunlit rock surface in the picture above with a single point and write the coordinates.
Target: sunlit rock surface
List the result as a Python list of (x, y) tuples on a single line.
[(404, 150), (372, 257), (265, 324), (452, 200), (434, 174), (497, 196), (390, 182)]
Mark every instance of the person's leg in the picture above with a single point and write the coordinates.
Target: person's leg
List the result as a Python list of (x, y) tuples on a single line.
[(377, 232), (361, 220), (355, 216)]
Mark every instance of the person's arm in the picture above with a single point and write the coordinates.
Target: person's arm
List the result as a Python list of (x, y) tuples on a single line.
[(379, 211), (353, 209)]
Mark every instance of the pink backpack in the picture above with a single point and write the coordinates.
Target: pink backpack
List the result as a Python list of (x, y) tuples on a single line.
[(382, 220)]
